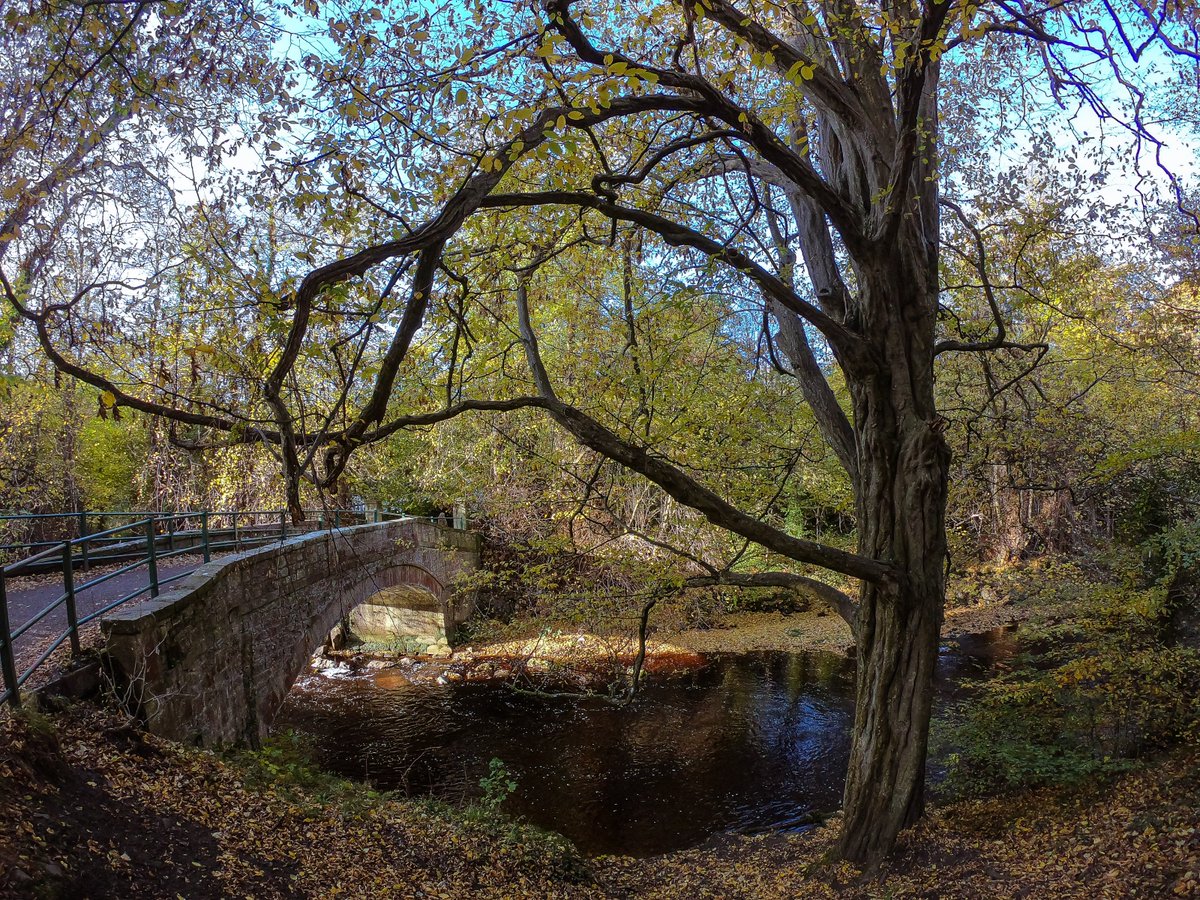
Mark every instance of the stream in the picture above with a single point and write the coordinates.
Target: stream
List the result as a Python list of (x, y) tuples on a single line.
[(750, 742)]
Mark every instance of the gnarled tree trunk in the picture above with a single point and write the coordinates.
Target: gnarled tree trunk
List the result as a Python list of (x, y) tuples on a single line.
[(903, 466)]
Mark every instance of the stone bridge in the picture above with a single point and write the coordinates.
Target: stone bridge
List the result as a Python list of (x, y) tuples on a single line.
[(210, 659)]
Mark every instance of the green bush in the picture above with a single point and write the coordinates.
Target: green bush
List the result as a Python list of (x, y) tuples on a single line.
[(286, 767), (497, 785), (1083, 699), (1173, 551)]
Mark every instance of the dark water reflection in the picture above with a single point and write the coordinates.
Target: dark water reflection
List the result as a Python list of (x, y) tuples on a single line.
[(751, 742)]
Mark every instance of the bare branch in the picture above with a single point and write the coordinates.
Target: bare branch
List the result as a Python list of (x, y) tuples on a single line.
[(845, 341), (998, 340)]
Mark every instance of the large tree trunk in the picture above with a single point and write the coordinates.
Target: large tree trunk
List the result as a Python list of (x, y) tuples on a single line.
[(903, 471)]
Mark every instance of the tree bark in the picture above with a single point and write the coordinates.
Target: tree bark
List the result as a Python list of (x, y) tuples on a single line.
[(904, 468)]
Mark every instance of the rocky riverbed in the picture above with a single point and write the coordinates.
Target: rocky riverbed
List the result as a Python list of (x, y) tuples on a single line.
[(577, 658)]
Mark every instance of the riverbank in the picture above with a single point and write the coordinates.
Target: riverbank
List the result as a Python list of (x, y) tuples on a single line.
[(1133, 837), (566, 658), (98, 810), (978, 604)]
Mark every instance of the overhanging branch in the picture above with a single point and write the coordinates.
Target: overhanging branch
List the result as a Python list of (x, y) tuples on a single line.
[(841, 602), (684, 488), (845, 342)]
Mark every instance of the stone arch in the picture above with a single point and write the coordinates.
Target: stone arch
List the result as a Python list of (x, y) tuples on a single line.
[(400, 575), (215, 654), (405, 606)]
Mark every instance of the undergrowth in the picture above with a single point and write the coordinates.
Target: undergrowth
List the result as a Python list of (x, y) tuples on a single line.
[(1089, 692), (285, 766)]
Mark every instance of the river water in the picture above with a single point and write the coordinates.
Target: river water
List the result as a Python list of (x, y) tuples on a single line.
[(748, 743)]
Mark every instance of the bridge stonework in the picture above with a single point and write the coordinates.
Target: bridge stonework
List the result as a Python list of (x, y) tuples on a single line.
[(209, 661)]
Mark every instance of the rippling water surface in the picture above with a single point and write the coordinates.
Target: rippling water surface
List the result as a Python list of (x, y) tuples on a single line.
[(751, 742)]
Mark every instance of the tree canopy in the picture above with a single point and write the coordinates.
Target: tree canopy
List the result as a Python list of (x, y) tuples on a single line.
[(718, 244)]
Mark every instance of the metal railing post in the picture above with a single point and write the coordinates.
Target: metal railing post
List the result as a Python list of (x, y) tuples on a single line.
[(204, 535), (7, 661), (337, 518), (151, 558), (283, 525), (237, 538), (69, 593)]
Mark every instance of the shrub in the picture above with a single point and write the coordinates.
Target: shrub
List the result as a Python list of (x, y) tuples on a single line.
[(1083, 698), (285, 764), (497, 785)]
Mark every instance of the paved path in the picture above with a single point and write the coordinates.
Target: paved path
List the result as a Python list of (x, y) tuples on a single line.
[(27, 601)]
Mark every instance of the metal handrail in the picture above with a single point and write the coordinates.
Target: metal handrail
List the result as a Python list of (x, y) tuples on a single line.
[(107, 576), (92, 616), (81, 516), (14, 568), (141, 533), (21, 564), (144, 514)]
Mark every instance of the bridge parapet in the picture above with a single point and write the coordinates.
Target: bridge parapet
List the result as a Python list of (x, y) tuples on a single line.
[(210, 660)]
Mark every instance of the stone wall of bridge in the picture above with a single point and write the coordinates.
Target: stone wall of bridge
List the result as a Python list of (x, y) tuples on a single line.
[(210, 660)]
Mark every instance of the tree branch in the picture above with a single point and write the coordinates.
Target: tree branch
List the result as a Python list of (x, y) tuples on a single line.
[(795, 168), (841, 602), (845, 342), (999, 340), (687, 490)]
